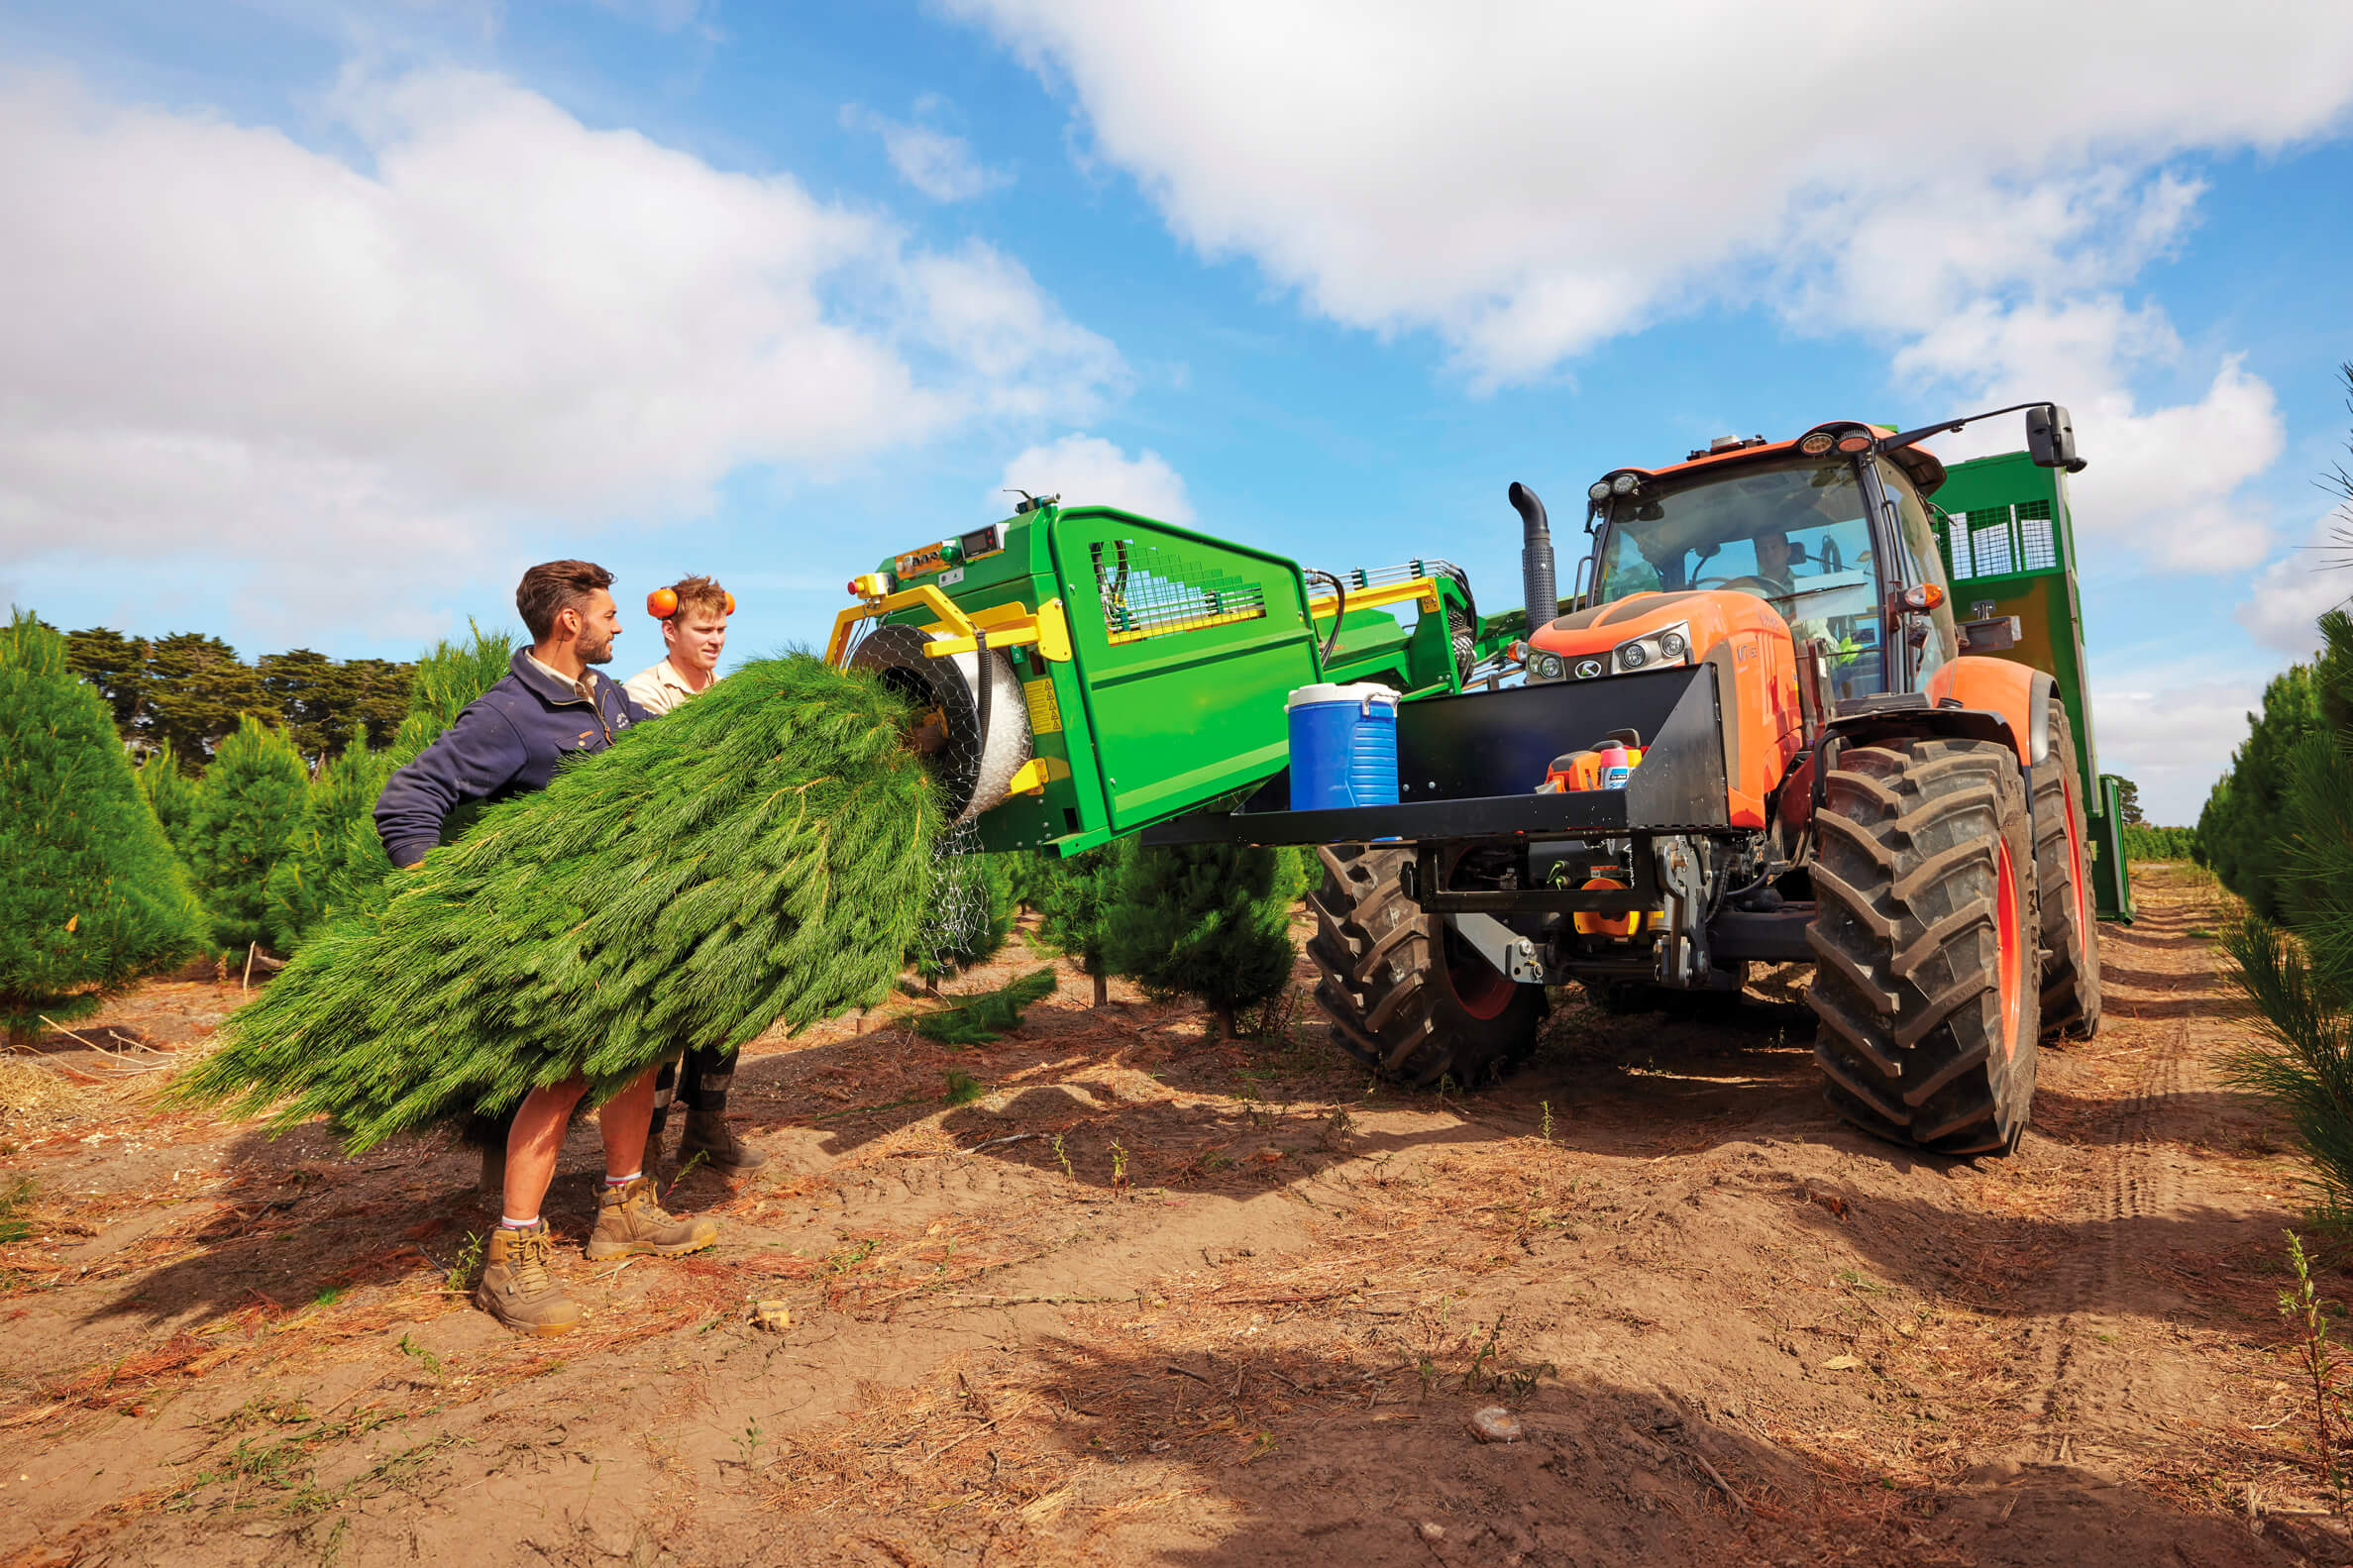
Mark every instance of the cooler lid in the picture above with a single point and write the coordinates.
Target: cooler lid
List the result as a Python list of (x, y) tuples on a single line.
[(1359, 692)]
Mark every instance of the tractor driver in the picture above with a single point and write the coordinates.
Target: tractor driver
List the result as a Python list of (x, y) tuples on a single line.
[(1774, 557)]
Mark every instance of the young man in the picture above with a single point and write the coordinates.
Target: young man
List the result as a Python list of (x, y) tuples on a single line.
[(550, 704), (695, 633)]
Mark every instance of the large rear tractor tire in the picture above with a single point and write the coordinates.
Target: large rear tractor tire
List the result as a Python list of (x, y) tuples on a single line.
[(1926, 982), (1406, 995), (2062, 876)]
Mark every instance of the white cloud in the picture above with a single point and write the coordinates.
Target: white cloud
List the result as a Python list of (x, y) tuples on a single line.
[(216, 339), (2171, 731), (1974, 183), (1571, 167), (1087, 469), (2289, 593), (940, 164)]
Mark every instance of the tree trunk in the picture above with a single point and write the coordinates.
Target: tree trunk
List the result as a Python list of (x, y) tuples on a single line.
[(1225, 1017), (1102, 989)]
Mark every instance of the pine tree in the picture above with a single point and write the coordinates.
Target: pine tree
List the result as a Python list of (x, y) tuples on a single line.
[(967, 918), (1209, 920), (2239, 832), (338, 818), (1075, 897), (171, 795), (247, 810), (90, 893), (979, 1020), (763, 854)]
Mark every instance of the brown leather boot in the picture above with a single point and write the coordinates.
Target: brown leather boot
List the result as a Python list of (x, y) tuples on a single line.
[(630, 1222), (516, 1288), (708, 1135)]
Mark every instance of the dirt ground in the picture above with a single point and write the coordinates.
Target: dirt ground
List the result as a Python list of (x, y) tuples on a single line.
[(1153, 1299)]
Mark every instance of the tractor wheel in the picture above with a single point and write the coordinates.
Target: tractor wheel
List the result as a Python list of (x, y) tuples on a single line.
[(1406, 995), (1926, 982), (2062, 875)]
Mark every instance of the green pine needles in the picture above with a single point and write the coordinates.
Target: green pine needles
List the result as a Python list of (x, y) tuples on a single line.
[(171, 795), (91, 895), (762, 854), (981, 1018), (1074, 900), (247, 810), (1209, 920), (968, 916), (308, 886)]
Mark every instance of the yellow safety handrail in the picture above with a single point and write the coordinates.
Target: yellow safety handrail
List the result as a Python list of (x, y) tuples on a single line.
[(1008, 625)]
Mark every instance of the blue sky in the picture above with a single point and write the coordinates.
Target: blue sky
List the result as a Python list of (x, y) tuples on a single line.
[(324, 319)]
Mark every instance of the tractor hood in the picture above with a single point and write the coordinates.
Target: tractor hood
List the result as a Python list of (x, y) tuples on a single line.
[(1645, 630)]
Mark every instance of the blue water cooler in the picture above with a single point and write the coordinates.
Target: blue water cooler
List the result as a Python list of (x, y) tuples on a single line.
[(1344, 746)]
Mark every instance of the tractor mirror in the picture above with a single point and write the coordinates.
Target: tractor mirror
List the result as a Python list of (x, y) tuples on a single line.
[(2050, 438)]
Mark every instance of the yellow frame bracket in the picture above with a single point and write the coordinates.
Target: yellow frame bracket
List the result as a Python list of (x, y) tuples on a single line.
[(1008, 625)]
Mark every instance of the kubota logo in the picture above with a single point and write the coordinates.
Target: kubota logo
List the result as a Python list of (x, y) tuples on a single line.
[(1588, 669)]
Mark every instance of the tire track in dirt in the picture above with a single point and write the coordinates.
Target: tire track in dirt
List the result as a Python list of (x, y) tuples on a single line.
[(2083, 1395)]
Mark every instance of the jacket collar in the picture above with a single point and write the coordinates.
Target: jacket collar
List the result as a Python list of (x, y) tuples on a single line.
[(548, 688)]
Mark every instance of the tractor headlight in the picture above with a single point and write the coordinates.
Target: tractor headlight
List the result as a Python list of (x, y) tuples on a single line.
[(1544, 667), (1624, 485), (1669, 646), (1599, 489)]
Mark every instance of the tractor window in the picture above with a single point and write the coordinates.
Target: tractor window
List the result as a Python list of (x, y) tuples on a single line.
[(1795, 534), (1922, 564)]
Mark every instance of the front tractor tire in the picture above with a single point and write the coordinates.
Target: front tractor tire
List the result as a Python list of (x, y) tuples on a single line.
[(2063, 877), (1406, 995), (1927, 982)]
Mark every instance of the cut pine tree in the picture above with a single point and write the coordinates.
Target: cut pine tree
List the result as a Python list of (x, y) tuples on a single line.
[(761, 855)]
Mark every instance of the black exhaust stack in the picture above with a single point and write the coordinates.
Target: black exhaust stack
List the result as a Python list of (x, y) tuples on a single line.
[(1538, 580)]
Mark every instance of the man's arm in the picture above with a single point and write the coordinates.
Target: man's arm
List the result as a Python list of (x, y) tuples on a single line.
[(473, 760)]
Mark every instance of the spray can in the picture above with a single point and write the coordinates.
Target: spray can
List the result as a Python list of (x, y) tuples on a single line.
[(1613, 767)]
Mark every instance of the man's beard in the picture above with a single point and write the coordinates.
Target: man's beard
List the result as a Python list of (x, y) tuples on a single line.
[(595, 652)]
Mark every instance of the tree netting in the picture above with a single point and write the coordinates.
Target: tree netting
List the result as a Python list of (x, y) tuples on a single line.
[(762, 854)]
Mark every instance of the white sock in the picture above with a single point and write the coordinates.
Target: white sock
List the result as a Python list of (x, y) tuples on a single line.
[(623, 1181), (509, 1222)]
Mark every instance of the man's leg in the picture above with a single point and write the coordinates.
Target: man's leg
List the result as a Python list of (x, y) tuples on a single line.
[(703, 1081), (666, 1087), (515, 1287), (629, 1220)]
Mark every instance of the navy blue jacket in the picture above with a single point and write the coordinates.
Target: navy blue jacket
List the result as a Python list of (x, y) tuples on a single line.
[(507, 741)]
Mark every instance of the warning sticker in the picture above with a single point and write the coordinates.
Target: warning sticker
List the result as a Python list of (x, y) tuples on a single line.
[(1046, 714)]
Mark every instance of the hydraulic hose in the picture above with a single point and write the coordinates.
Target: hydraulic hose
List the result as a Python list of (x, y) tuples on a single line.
[(1339, 614)]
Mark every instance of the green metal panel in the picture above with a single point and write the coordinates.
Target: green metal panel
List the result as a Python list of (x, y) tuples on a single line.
[(2007, 536)]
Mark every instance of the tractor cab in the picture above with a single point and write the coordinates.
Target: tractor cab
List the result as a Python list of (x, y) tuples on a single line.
[(1837, 543)]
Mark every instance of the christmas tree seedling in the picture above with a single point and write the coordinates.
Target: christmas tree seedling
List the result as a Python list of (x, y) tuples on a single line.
[(1074, 901), (1207, 920), (338, 822), (91, 895), (978, 1019), (248, 809), (171, 795), (761, 855)]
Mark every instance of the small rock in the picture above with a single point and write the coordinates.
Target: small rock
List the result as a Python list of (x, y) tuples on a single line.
[(1841, 1364), (1432, 1531), (1494, 1424), (772, 1317)]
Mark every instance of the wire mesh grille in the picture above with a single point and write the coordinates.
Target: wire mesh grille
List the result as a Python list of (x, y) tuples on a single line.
[(1956, 549), (1149, 591), (1990, 545)]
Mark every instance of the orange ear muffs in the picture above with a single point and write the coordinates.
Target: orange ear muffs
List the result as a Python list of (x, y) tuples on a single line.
[(731, 604), (662, 603)]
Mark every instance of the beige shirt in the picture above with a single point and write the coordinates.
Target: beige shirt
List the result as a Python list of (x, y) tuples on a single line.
[(661, 689)]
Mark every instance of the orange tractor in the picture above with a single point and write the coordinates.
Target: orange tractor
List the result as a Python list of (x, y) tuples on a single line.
[(1758, 735)]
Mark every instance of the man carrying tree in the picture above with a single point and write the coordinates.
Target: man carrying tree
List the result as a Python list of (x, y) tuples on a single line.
[(550, 704), (692, 613)]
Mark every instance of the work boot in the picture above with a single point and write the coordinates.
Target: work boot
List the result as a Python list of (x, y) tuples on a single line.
[(493, 1176), (516, 1288), (630, 1222), (708, 1135)]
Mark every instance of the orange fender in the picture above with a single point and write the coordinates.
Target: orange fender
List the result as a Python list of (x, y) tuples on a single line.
[(2021, 693)]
